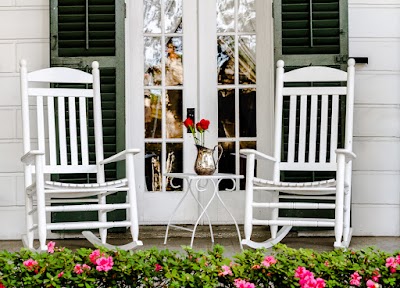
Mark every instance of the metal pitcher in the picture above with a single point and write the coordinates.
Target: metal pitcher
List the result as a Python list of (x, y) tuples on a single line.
[(205, 163)]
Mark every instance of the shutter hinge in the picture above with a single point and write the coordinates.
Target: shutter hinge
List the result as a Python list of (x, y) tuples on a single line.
[(341, 59)]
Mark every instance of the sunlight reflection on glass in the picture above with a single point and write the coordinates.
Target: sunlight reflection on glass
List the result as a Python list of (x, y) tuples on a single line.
[(152, 113), (173, 16), (152, 16), (226, 59), (173, 62), (225, 15), (246, 16), (152, 58), (247, 59)]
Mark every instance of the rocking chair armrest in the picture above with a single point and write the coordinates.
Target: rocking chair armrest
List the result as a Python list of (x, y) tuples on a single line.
[(349, 155), (119, 156), (257, 154), (29, 157)]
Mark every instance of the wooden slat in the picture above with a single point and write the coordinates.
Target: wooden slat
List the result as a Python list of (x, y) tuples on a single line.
[(60, 92), (83, 128), (334, 127), (303, 128), (72, 130), (52, 130), (40, 123), (313, 129), (292, 128), (314, 90), (61, 131), (323, 128)]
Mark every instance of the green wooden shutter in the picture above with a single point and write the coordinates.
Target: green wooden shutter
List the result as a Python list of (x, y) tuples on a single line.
[(83, 31), (310, 33)]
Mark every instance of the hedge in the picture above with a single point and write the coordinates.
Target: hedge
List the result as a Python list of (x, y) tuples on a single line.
[(278, 267)]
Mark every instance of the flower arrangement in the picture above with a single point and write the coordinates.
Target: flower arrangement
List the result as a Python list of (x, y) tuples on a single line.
[(261, 268), (200, 126)]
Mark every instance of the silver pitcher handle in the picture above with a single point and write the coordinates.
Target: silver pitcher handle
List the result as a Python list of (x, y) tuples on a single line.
[(220, 151)]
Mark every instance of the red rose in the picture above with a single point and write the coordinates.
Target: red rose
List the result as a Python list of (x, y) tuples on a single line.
[(188, 122), (202, 125)]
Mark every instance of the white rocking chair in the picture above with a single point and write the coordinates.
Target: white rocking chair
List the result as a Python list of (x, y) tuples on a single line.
[(313, 113), (53, 156)]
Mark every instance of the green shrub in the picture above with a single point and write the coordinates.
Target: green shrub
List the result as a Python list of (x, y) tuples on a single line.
[(279, 267)]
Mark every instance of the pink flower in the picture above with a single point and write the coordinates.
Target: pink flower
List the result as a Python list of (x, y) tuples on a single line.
[(158, 267), (86, 267), (226, 270), (355, 279), (50, 247), (78, 269), (391, 262), (239, 283), (60, 274), (256, 267), (104, 264), (268, 261), (30, 264), (320, 283), (376, 275), (398, 259), (94, 256), (326, 263), (392, 270), (299, 272), (372, 284)]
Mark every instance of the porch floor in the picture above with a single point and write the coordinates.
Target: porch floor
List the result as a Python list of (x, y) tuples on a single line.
[(153, 236)]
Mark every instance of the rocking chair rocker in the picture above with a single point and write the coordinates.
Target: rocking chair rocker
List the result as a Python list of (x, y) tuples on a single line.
[(54, 156), (311, 115)]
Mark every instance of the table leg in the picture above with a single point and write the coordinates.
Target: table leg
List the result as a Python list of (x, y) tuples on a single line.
[(173, 213), (202, 208), (202, 214), (233, 218)]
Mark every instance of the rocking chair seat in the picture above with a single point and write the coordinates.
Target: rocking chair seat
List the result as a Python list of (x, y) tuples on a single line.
[(270, 183), (109, 184)]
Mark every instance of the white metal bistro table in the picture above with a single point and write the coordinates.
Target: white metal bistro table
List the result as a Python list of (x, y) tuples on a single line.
[(194, 180)]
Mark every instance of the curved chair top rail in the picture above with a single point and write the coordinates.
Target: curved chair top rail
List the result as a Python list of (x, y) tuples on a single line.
[(315, 74), (60, 75)]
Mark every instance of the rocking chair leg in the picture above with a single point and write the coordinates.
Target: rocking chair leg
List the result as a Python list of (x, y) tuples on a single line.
[(102, 218), (274, 215), (29, 223)]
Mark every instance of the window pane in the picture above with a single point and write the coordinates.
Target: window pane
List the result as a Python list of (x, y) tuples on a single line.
[(247, 112), (153, 173), (247, 60), (226, 60), (173, 16), (227, 163), (246, 16), (152, 61), (226, 113), (152, 16), (174, 164), (152, 113), (225, 15), (173, 62), (173, 115)]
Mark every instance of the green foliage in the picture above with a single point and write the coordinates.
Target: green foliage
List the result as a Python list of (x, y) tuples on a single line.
[(166, 268)]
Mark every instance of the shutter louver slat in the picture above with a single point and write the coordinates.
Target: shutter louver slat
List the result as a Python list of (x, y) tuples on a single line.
[(72, 28), (296, 34)]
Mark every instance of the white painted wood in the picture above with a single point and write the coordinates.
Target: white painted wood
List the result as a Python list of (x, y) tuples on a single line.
[(38, 219), (62, 134), (83, 131), (52, 130), (334, 127), (340, 160), (303, 127), (292, 128), (323, 131), (72, 131), (313, 129)]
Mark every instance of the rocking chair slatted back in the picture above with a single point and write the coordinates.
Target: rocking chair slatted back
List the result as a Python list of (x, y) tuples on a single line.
[(312, 117), (63, 105)]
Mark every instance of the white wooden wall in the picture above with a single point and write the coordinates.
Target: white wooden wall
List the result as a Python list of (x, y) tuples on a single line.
[(24, 33), (374, 33)]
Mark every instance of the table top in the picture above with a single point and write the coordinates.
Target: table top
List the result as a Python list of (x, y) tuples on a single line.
[(195, 176)]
